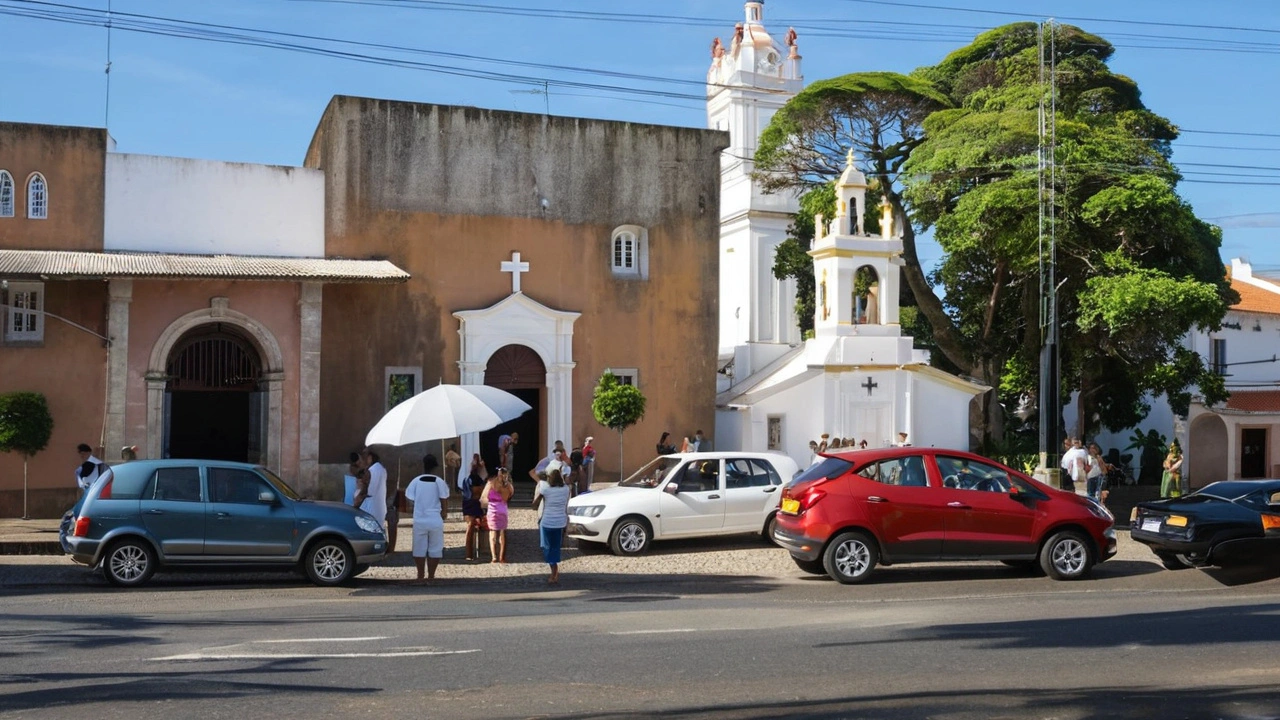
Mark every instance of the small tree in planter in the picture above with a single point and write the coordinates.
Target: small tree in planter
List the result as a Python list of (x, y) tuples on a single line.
[(617, 406), (25, 427)]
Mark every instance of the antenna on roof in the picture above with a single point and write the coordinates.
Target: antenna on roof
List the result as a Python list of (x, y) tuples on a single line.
[(545, 92), (106, 110)]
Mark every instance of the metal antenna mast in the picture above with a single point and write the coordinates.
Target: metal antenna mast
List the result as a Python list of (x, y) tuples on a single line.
[(1050, 413), (106, 110)]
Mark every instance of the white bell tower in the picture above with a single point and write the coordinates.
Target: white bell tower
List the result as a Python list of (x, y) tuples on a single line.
[(748, 81)]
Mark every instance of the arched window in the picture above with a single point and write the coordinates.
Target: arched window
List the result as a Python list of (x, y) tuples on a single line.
[(37, 197), (629, 252), (6, 194)]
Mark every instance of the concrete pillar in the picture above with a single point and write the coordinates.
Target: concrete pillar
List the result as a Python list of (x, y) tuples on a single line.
[(310, 309), (120, 293)]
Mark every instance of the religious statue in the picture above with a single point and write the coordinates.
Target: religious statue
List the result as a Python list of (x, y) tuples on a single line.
[(791, 38), (717, 49), (737, 38)]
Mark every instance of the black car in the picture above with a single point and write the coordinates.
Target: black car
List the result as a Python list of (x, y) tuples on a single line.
[(1235, 521)]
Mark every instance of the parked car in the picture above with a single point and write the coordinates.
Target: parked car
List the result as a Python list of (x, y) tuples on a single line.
[(1234, 521), (684, 495), (855, 510), (147, 515)]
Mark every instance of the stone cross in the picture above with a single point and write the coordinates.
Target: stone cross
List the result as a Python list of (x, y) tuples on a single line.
[(515, 267), (870, 385)]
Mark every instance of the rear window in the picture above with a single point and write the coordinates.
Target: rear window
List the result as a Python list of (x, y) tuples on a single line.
[(128, 480), (828, 468)]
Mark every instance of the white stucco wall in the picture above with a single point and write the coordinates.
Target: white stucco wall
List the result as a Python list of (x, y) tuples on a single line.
[(206, 207)]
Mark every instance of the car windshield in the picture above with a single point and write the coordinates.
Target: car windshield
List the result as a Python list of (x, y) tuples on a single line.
[(279, 484), (653, 473), (828, 468)]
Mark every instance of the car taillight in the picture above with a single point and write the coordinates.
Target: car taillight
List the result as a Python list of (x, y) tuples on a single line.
[(810, 497), (1270, 522), (82, 526), (105, 492)]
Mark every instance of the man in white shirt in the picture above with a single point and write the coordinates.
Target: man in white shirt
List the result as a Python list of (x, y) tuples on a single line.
[(1073, 464), (89, 470), (376, 503), (428, 494)]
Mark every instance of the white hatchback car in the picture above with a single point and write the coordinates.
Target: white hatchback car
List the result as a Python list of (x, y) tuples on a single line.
[(684, 495)]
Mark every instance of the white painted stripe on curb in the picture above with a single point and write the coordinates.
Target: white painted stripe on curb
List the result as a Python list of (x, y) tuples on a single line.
[(194, 657), (371, 638), (654, 632)]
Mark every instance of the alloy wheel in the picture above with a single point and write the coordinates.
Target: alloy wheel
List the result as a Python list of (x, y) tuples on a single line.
[(129, 563), (852, 557), (632, 538), (329, 563), (1070, 556)]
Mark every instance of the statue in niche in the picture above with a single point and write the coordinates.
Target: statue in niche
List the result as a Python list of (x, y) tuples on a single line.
[(866, 300), (822, 295)]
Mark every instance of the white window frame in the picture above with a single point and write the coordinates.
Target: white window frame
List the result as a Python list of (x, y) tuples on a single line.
[(416, 372), (12, 312), (638, 238), (626, 376), (37, 206), (7, 194)]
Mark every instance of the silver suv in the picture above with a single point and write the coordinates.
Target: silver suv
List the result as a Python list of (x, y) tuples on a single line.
[(151, 514)]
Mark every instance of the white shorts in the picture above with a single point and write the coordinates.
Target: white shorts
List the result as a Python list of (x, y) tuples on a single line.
[(428, 541)]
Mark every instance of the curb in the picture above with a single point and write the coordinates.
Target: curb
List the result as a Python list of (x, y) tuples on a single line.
[(30, 547)]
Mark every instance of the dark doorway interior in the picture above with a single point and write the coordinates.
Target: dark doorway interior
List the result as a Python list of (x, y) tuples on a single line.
[(527, 451), (209, 425), (1253, 453), (214, 405)]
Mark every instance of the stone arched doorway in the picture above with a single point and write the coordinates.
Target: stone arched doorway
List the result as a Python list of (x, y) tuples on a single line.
[(215, 401), (1207, 451), (520, 371), (253, 339)]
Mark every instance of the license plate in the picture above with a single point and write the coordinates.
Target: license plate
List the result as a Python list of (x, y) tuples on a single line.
[(791, 506), (1151, 525)]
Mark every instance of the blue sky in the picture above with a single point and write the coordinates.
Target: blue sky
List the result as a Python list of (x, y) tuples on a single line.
[(1209, 67)]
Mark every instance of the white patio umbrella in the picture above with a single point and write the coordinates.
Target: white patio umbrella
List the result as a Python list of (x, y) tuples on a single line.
[(446, 411)]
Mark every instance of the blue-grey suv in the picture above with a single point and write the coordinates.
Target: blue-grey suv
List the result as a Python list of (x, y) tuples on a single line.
[(150, 514)]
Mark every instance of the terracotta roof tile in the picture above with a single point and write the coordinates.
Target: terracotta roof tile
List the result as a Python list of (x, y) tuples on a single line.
[(68, 265), (1267, 401), (1255, 299)]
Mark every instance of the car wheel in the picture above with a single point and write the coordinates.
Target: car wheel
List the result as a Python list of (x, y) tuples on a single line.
[(813, 567), (630, 536), (1172, 561), (129, 563), (851, 557), (769, 526), (1066, 556), (329, 562)]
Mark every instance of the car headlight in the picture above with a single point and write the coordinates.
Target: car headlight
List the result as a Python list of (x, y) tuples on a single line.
[(586, 510), (1098, 509), (368, 524)]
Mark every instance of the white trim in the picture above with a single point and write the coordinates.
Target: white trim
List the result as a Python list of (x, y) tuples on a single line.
[(390, 370), (12, 311), (44, 197), (631, 374), (6, 208)]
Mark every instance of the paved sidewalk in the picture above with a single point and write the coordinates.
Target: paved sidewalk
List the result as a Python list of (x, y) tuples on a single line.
[(30, 537)]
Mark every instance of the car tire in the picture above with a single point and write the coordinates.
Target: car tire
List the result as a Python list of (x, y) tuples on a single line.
[(1171, 561), (129, 562), (1067, 556), (813, 567), (329, 562), (769, 526), (630, 536), (850, 557)]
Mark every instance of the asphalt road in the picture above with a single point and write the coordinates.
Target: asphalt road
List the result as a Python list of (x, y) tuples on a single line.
[(962, 641)]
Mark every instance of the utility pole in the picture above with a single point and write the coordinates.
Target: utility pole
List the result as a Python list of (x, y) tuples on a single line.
[(1050, 412)]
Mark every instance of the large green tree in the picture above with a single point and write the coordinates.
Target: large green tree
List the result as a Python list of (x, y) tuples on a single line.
[(954, 147)]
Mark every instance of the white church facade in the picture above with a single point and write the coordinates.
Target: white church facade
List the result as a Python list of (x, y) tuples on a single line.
[(858, 377)]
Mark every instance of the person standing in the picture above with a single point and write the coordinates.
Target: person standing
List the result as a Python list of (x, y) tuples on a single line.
[(351, 480), (1073, 464), (89, 469), (1095, 472), (701, 443), (128, 453), (472, 511), (664, 446), (552, 495), (1171, 479), (375, 502), (507, 449), (589, 465), (453, 468), (428, 493), (497, 492)]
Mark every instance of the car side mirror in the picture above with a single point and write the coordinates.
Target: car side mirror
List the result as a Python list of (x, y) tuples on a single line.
[(671, 488), (266, 497)]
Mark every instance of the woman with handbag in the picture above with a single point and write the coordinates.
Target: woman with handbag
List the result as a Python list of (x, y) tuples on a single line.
[(1171, 479)]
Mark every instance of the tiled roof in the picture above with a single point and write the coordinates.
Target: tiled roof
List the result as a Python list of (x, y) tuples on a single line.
[(71, 265), (1255, 299), (1267, 401)]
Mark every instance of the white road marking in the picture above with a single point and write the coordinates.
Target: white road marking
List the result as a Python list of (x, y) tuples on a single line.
[(370, 638), (196, 656), (653, 632)]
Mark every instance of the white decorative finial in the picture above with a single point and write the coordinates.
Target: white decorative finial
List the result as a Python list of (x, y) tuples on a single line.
[(515, 267), (849, 159)]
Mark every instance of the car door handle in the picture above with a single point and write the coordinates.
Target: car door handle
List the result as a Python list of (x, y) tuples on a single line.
[(220, 515), (713, 497), (771, 488), (876, 498), (154, 511), (958, 506)]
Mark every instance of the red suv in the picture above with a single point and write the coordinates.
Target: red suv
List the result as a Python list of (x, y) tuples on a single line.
[(853, 510)]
